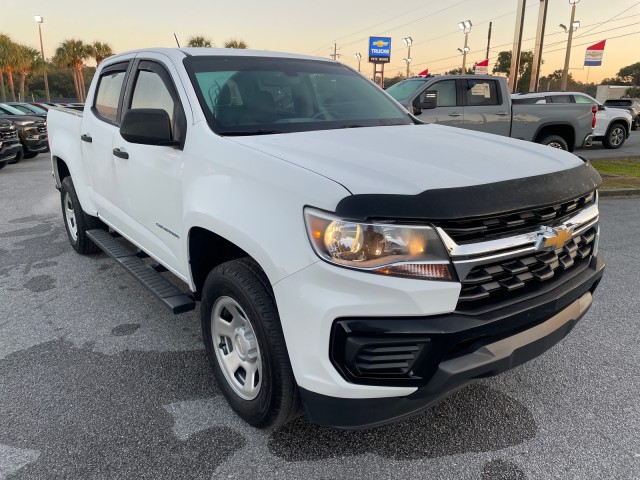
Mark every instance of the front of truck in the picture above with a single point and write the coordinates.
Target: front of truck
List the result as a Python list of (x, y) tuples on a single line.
[(452, 255)]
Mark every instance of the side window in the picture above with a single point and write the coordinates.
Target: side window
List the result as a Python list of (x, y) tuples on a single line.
[(482, 92), (446, 93), (561, 98), (582, 99), (108, 93), (153, 89)]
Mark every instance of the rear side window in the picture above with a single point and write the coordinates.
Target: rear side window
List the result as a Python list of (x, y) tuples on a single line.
[(109, 92), (482, 93)]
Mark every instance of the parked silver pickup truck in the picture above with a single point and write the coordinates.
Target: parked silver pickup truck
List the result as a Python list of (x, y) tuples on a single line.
[(482, 102)]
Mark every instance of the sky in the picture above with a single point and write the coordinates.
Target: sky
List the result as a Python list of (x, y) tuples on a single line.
[(313, 28)]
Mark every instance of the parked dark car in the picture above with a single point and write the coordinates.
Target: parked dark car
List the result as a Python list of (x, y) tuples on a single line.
[(10, 148), (630, 104), (32, 130)]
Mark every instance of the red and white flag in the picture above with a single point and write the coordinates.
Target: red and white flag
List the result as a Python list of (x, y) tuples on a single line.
[(593, 57), (482, 68)]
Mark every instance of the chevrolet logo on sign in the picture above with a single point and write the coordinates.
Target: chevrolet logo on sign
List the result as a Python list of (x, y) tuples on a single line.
[(549, 238), (380, 43)]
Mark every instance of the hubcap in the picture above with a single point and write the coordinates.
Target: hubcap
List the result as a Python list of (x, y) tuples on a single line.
[(236, 348), (617, 136), (70, 216), (556, 145)]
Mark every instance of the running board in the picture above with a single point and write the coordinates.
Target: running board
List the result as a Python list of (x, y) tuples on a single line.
[(175, 299)]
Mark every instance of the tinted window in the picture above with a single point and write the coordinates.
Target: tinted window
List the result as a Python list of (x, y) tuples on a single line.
[(108, 95), (403, 90), (482, 92), (446, 93), (561, 98)]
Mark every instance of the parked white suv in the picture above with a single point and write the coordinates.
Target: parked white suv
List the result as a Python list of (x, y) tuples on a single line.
[(613, 125)]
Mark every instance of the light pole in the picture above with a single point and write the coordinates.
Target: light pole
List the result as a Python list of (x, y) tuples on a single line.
[(465, 26), (573, 25), (408, 41), (39, 20), (408, 62), (358, 57)]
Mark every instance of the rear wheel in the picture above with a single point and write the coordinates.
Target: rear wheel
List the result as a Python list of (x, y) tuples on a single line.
[(76, 221), (615, 137), (554, 141), (245, 344)]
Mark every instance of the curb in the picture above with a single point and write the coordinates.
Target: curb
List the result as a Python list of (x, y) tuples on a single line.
[(619, 192)]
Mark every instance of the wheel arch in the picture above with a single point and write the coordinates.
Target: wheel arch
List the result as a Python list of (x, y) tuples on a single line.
[(564, 130)]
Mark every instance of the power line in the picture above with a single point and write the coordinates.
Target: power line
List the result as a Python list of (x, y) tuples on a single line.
[(607, 21)]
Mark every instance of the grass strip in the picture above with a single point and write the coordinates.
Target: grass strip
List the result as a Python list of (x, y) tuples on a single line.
[(623, 172)]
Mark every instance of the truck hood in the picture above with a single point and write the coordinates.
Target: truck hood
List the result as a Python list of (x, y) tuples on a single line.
[(410, 159)]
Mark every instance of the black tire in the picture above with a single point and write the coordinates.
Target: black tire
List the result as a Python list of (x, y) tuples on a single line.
[(554, 141), (3, 164), (30, 154), (73, 215), (615, 136), (243, 283), (19, 157)]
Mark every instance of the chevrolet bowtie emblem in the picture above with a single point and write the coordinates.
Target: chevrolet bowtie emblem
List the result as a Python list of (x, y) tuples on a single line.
[(549, 238)]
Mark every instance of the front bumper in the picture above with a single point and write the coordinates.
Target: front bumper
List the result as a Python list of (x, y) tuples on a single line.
[(9, 151), (36, 143), (461, 348), (588, 140)]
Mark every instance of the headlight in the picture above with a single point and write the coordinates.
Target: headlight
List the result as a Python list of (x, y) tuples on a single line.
[(383, 248)]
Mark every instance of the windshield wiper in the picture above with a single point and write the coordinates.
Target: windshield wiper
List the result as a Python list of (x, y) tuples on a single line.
[(232, 133)]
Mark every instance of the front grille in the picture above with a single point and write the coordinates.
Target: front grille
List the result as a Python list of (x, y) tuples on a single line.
[(490, 285), (42, 128), (514, 223), (7, 134)]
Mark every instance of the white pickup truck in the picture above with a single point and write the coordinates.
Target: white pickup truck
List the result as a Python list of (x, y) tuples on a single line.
[(351, 262)]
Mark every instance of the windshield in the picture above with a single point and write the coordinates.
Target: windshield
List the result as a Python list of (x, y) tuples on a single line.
[(267, 95), (401, 91), (29, 110)]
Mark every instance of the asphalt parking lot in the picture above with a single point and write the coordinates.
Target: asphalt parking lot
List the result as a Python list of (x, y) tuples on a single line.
[(98, 381)]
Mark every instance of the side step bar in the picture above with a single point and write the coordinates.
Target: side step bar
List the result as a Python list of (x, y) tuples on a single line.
[(175, 299)]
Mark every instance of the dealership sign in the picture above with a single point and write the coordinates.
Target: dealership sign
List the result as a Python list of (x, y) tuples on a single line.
[(379, 49), (593, 57)]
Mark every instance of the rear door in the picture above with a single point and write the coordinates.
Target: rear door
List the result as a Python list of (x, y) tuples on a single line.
[(99, 125), (484, 108)]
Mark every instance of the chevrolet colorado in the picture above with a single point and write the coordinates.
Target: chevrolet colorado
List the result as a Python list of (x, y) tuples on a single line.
[(350, 261)]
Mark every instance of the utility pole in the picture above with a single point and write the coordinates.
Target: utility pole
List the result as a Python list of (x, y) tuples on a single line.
[(565, 71), (488, 41), (335, 53), (517, 46), (537, 55)]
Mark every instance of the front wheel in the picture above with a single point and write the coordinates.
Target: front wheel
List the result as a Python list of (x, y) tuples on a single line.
[(615, 137), (554, 141), (245, 344), (76, 221)]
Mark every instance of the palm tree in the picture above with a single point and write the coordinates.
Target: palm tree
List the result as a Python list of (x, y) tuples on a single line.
[(8, 54), (199, 41), (26, 60), (71, 54), (233, 43), (100, 51), (5, 43)]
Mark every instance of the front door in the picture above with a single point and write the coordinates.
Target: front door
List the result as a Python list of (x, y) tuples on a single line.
[(449, 110)]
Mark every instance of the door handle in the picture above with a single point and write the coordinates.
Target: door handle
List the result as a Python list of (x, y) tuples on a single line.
[(120, 153), (502, 114), (455, 114), (86, 138)]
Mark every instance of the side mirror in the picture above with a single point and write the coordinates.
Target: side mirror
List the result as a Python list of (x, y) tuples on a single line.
[(147, 126), (600, 107), (427, 101)]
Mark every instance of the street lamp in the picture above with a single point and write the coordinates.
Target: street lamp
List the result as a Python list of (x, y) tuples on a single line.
[(408, 62), (573, 25), (465, 26), (408, 41), (39, 20), (358, 57)]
